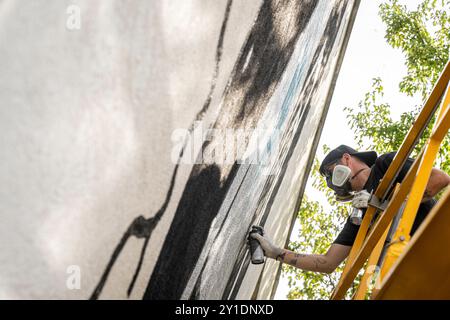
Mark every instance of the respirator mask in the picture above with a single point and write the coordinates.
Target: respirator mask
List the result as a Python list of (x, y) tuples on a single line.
[(339, 181)]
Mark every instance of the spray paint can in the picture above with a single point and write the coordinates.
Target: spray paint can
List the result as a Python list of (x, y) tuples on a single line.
[(356, 216), (256, 251)]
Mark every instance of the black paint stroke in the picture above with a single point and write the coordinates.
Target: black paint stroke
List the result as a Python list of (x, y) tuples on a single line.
[(198, 206), (141, 227), (267, 52), (219, 52)]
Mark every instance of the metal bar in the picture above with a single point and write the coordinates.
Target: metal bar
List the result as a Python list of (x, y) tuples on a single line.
[(417, 191), (423, 173), (377, 252), (389, 242), (371, 268), (423, 269), (384, 254), (442, 127)]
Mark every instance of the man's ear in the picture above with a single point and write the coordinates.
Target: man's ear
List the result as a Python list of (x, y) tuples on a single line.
[(345, 158)]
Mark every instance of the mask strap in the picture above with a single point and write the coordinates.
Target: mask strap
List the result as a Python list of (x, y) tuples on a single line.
[(361, 170)]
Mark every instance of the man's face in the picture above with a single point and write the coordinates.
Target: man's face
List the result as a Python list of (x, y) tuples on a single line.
[(358, 173), (329, 168), (345, 161)]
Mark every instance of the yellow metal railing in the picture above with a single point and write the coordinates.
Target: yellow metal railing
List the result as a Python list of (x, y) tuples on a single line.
[(369, 243)]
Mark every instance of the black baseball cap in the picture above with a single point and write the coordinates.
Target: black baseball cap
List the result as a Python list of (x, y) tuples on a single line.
[(368, 157)]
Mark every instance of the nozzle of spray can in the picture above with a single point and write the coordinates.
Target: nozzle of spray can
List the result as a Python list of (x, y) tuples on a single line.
[(257, 253)]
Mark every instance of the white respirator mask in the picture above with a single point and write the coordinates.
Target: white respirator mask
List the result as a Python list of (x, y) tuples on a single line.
[(341, 175), (340, 182)]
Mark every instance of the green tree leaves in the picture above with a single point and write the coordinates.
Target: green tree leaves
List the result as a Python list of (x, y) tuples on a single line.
[(423, 36)]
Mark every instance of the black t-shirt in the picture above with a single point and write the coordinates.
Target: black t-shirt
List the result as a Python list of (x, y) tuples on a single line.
[(348, 234)]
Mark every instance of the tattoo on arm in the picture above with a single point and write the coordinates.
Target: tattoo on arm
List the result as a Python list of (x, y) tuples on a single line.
[(290, 256), (281, 256), (296, 257), (319, 261)]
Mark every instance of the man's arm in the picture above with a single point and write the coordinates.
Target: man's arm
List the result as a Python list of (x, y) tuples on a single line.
[(438, 181), (325, 263)]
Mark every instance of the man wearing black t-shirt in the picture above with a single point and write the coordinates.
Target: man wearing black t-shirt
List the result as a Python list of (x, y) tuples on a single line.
[(366, 170)]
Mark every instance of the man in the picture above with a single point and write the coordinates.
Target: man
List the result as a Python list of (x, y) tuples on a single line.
[(365, 170)]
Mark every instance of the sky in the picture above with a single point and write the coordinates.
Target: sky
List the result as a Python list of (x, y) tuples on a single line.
[(367, 56)]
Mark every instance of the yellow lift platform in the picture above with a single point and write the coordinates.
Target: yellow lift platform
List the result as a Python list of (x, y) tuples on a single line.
[(409, 268)]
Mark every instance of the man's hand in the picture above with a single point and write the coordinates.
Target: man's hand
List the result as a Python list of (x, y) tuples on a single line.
[(270, 250), (361, 199)]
